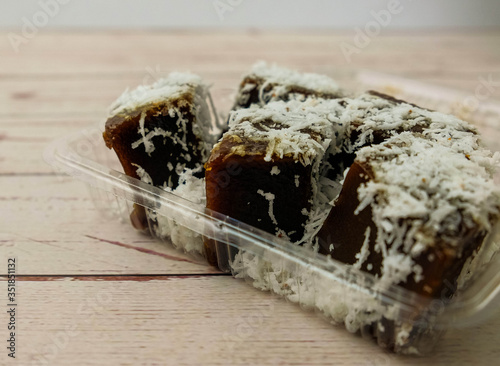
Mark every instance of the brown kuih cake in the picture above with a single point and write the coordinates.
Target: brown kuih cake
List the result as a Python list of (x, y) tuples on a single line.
[(243, 157), (416, 205), (400, 196), (266, 83), (160, 131), (267, 168)]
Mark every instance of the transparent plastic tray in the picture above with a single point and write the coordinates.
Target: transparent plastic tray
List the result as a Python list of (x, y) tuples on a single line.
[(395, 318)]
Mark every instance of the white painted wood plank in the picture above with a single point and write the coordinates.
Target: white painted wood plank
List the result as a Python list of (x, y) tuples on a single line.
[(34, 112), (123, 52), (206, 320), (61, 82), (22, 141), (52, 225), (53, 97)]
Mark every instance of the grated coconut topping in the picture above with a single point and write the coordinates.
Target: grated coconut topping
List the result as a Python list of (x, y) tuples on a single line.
[(430, 175), (274, 74)]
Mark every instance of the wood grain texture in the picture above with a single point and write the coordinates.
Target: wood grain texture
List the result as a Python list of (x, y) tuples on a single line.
[(56, 230), (202, 320), (92, 290)]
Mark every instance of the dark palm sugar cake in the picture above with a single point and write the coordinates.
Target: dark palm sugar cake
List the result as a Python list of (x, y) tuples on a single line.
[(160, 131), (267, 168), (393, 190), (377, 127), (417, 203), (414, 212), (402, 210), (266, 83)]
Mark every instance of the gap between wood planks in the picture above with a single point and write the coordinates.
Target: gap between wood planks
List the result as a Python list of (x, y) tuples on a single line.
[(113, 277)]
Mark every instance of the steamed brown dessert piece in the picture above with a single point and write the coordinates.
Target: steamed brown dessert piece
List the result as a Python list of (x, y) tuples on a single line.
[(267, 83), (265, 170), (414, 211), (372, 118), (161, 130), (161, 155), (433, 258), (416, 205), (384, 136)]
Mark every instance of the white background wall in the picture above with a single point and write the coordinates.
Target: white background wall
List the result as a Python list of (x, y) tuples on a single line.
[(275, 14)]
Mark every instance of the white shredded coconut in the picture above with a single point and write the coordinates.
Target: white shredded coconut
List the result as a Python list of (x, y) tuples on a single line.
[(363, 254), (275, 170), (172, 92), (270, 197), (268, 83), (274, 74), (303, 131), (173, 86), (192, 188), (431, 176), (143, 175), (411, 184)]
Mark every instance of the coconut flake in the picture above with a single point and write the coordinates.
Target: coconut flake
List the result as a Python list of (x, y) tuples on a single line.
[(142, 174), (363, 254), (275, 170), (270, 197)]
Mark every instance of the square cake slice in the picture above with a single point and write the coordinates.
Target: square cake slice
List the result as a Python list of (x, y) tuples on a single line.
[(266, 169), (159, 131), (415, 211), (266, 83), (412, 211)]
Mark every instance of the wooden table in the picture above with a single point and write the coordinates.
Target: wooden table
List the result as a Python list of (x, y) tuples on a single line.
[(94, 292)]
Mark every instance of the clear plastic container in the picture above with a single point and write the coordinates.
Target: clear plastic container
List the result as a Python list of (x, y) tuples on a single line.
[(395, 318)]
